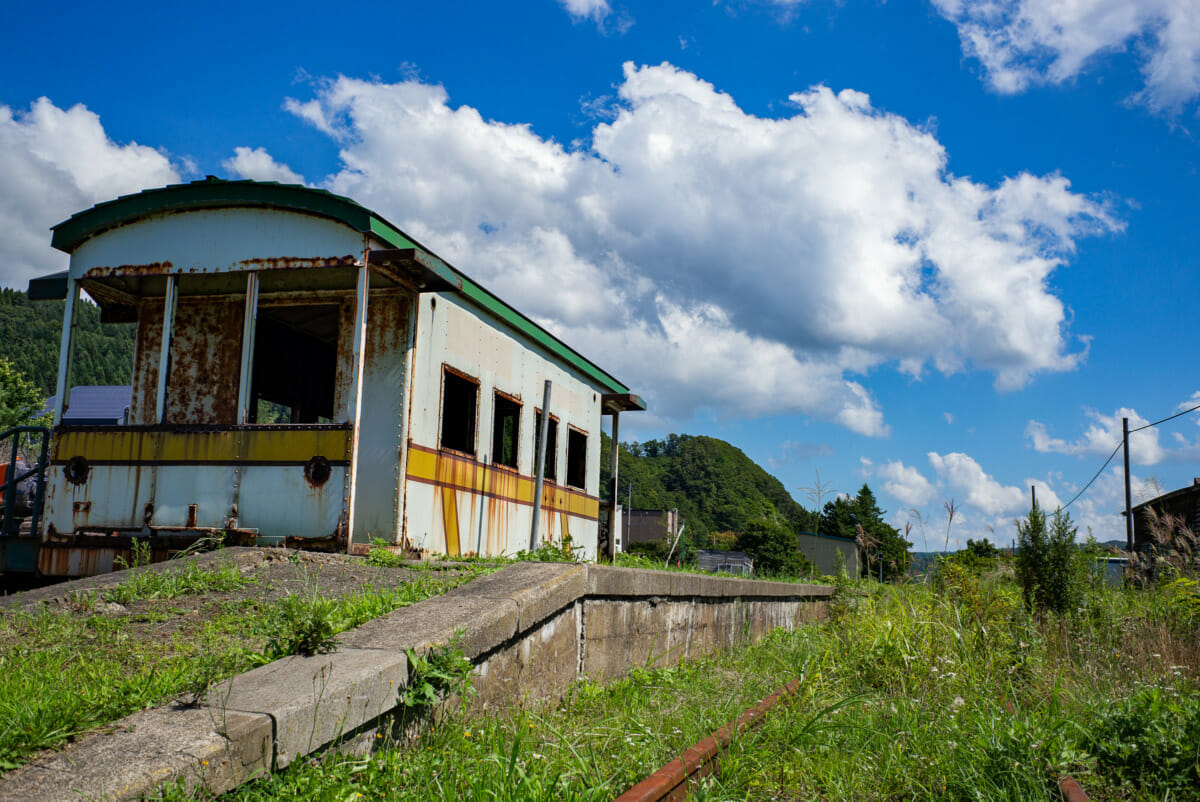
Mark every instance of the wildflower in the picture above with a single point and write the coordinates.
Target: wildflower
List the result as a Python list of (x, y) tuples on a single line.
[(466, 733)]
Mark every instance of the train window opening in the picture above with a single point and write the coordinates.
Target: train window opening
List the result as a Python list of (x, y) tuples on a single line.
[(295, 364), (551, 445), (506, 430), (460, 399), (576, 458)]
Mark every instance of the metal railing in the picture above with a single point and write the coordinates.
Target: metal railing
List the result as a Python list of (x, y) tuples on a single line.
[(13, 478)]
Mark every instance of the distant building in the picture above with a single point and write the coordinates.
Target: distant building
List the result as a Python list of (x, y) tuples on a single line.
[(651, 526), (725, 562), (823, 550), (1184, 503), (96, 405)]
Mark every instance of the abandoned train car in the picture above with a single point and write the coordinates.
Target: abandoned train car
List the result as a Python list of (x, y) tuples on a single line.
[(306, 373)]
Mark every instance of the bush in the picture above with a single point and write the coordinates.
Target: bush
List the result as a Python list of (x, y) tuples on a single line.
[(774, 549), (1049, 567)]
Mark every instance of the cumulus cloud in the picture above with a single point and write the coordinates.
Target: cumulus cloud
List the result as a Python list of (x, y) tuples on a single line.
[(906, 484), (1027, 42), (720, 260), (1105, 432), (586, 9), (980, 490), (55, 162), (258, 165)]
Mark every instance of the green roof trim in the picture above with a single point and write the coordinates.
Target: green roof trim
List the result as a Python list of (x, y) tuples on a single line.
[(214, 192), (210, 192), (48, 288)]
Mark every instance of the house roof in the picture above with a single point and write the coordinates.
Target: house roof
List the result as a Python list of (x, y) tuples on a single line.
[(214, 192), (1172, 496), (96, 404)]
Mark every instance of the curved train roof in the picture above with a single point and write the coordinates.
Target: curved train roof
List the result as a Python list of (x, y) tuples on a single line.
[(214, 192)]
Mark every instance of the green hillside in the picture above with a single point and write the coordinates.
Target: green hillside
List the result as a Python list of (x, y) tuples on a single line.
[(30, 332), (713, 484)]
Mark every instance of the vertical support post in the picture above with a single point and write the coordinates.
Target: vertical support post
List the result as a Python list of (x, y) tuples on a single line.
[(65, 348), (543, 432), (249, 317), (1033, 495), (1128, 494), (354, 407), (170, 298), (614, 521)]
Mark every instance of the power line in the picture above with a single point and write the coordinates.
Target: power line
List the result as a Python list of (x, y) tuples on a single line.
[(1094, 477), (1164, 420), (1118, 448)]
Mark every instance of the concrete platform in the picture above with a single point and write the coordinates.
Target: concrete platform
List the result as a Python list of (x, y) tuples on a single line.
[(531, 630)]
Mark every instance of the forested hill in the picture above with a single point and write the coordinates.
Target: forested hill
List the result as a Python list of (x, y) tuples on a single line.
[(30, 332), (713, 484)]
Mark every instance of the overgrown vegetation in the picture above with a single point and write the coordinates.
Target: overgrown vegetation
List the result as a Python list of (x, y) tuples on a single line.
[(910, 692), (64, 671), (435, 674)]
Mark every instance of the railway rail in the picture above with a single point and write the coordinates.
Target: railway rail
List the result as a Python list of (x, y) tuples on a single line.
[(672, 782)]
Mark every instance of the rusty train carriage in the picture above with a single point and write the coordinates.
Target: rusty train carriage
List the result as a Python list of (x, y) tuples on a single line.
[(306, 373)]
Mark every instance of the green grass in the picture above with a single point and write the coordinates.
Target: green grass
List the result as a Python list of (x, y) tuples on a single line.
[(65, 672), (910, 693)]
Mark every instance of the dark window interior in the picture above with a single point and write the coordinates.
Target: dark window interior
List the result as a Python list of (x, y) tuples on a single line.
[(459, 398), (295, 364), (551, 444), (506, 427), (576, 458)]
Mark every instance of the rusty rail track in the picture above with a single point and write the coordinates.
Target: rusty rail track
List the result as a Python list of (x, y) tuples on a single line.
[(672, 782)]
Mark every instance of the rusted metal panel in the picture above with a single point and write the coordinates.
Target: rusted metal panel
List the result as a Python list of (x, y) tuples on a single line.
[(145, 361), (384, 392), (205, 363)]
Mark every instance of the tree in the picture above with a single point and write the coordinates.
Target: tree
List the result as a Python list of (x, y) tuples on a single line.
[(884, 549), (774, 549), (20, 400), (1048, 567)]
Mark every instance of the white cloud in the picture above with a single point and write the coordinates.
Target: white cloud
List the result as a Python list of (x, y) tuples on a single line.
[(906, 484), (981, 490), (714, 259), (1105, 433), (55, 162), (257, 165), (1027, 42), (586, 9)]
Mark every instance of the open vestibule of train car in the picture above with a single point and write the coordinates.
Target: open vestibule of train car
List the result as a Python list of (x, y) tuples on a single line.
[(305, 373)]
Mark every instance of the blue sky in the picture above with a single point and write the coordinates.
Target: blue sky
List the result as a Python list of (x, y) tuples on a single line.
[(941, 247)]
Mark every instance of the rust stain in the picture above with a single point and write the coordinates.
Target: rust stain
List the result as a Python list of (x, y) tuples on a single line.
[(317, 471), (205, 364), (297, 262), (145, 362), (80, 510), (151, 269), (191, 516)]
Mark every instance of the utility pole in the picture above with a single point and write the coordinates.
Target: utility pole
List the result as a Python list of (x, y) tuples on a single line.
[(1033, 494), (1128, 494)]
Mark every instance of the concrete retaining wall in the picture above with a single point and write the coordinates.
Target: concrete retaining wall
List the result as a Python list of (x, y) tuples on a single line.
[(531, 630)]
